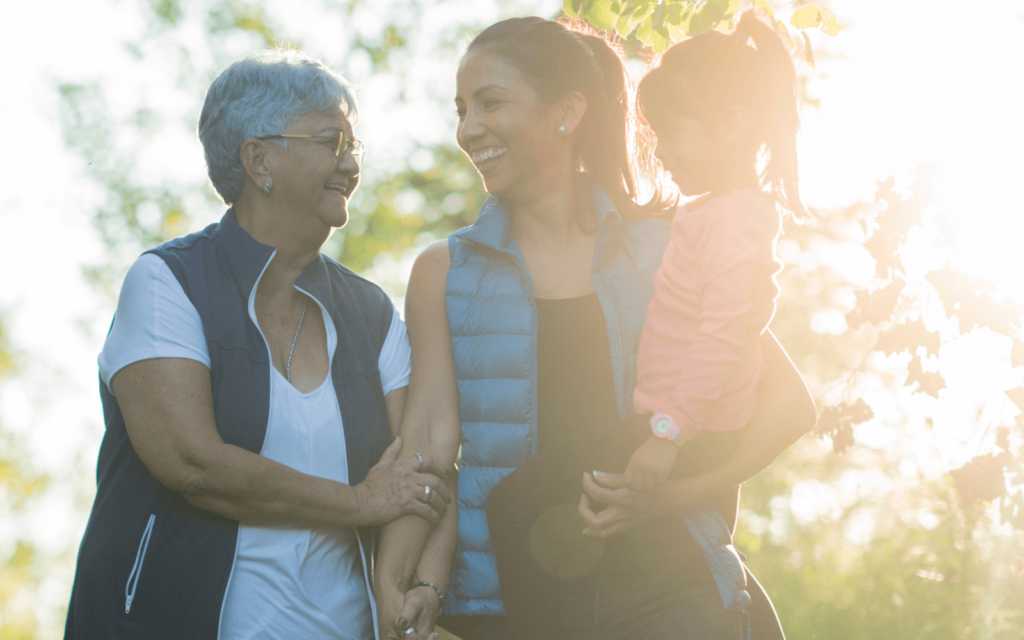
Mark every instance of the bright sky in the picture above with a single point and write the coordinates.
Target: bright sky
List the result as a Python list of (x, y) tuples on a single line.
[(905, 82)]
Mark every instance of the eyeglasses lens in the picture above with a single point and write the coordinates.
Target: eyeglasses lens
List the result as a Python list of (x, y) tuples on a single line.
[(342, 143)]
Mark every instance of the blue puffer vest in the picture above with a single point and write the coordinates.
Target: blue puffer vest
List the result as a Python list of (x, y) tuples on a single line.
[(493, 321), (152, 565)]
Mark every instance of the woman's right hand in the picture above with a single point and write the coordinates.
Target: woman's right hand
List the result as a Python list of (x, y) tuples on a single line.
[(419, 615), (395, 488)]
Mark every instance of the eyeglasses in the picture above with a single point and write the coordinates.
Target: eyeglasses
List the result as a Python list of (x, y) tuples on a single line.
[(337, 142)]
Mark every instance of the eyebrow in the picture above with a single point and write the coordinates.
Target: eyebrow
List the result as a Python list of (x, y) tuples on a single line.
[(488, 88), (330, 129)]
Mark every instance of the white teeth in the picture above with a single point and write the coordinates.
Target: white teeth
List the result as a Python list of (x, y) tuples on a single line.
[(340, 189), (487, 154)]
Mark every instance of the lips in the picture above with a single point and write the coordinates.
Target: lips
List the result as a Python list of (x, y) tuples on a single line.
[(487, 157), (344, 188)]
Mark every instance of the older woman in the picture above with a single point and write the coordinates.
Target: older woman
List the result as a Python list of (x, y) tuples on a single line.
[(251, 389)]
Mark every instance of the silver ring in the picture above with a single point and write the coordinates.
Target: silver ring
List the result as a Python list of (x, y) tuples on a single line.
[(408, 631), (426, 493), (419, 456)]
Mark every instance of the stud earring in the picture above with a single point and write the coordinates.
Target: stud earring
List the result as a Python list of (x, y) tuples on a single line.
[(561, 128), (266, 188)]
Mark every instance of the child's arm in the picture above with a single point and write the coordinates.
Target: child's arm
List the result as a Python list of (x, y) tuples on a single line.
[(650, 464), (733, 243)]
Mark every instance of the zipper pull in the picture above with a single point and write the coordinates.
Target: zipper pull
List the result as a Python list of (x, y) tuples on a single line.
[(128, 603)]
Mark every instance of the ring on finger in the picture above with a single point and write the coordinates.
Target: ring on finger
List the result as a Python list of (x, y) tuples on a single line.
[(427, 490), (419, 456), (408, 631)]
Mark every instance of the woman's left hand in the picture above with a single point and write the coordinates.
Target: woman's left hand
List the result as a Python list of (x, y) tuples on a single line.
[(419, 614), (625, 507)]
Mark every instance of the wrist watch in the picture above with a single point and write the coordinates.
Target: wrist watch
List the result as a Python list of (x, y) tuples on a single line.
[(664, 426)]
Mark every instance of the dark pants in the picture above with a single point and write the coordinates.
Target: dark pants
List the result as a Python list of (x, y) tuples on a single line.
[(680, 619), (539, 547), (536, 529), (660, 614)]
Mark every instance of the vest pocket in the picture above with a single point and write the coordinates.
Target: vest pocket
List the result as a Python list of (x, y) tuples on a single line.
[(140, 555)]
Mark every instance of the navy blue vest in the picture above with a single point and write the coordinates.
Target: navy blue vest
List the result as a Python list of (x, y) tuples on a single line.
[(180, 557)]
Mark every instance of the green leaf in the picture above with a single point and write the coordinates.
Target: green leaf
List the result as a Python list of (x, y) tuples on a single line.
[(633, 13), (677, 22), (673, 14), (642, 11), (764, 4), (828, 23), (572, 7), (660, 40), (808, 52), (658, 17), (783, 31), (600, 15), (643, 32), (806, 17), (623, 27), (708, 17)]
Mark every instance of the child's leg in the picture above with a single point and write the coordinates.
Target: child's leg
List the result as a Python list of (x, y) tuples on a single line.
[(536, 530)]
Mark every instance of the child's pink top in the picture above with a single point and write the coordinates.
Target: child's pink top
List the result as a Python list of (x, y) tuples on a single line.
[(714, 295)]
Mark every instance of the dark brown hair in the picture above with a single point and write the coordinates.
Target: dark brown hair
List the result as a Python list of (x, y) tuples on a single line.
[(702, 77), (562, 56)]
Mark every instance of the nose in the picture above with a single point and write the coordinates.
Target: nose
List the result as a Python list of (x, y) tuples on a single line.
[(469, 129), (347, 162)]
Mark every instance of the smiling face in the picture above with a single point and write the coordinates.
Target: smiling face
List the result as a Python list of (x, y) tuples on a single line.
[(508, 133), (309, 177)]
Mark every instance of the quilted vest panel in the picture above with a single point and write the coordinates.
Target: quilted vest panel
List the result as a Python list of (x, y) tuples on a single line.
[(493, 323)]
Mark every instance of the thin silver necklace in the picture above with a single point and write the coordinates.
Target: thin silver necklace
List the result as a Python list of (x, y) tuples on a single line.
[(288, 367)]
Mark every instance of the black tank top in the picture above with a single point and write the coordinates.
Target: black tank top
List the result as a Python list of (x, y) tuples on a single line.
[(575, 392)]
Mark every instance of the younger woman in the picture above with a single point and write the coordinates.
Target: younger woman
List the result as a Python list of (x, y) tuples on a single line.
[(716, 102)]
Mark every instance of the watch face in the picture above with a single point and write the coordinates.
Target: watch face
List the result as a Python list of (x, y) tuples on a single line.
[(661, 426)]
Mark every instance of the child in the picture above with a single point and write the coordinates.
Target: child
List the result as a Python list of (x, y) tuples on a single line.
[(715, 102)]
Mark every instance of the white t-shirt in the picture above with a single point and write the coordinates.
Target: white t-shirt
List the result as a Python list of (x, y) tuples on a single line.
[(287, 582)]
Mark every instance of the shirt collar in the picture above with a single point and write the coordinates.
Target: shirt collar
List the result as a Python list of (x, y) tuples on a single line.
[(493, 226), (246, 258)]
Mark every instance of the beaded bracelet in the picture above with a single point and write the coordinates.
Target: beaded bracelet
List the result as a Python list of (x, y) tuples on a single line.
[(424, 583)]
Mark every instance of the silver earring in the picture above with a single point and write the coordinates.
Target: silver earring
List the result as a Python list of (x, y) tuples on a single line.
[(266, 188), (561, 128)]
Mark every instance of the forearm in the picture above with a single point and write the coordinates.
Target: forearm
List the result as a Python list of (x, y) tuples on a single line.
[(241, 485), (402, 541), (758, 448), (784, 413), (435, 561)]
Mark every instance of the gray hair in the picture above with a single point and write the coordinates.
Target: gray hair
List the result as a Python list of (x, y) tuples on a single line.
[(260, 96)]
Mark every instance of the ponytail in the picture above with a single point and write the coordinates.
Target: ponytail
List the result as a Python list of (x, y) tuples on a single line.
[(559, 57), (705, 75), (782, 117)]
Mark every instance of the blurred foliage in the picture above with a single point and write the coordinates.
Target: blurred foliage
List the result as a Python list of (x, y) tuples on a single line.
[(659, 23), (19, 484), (863, 544), (438, 194), (887, 550)]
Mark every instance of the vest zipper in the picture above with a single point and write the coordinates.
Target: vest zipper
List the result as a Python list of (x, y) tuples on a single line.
[(140, 555), (250, 309)]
